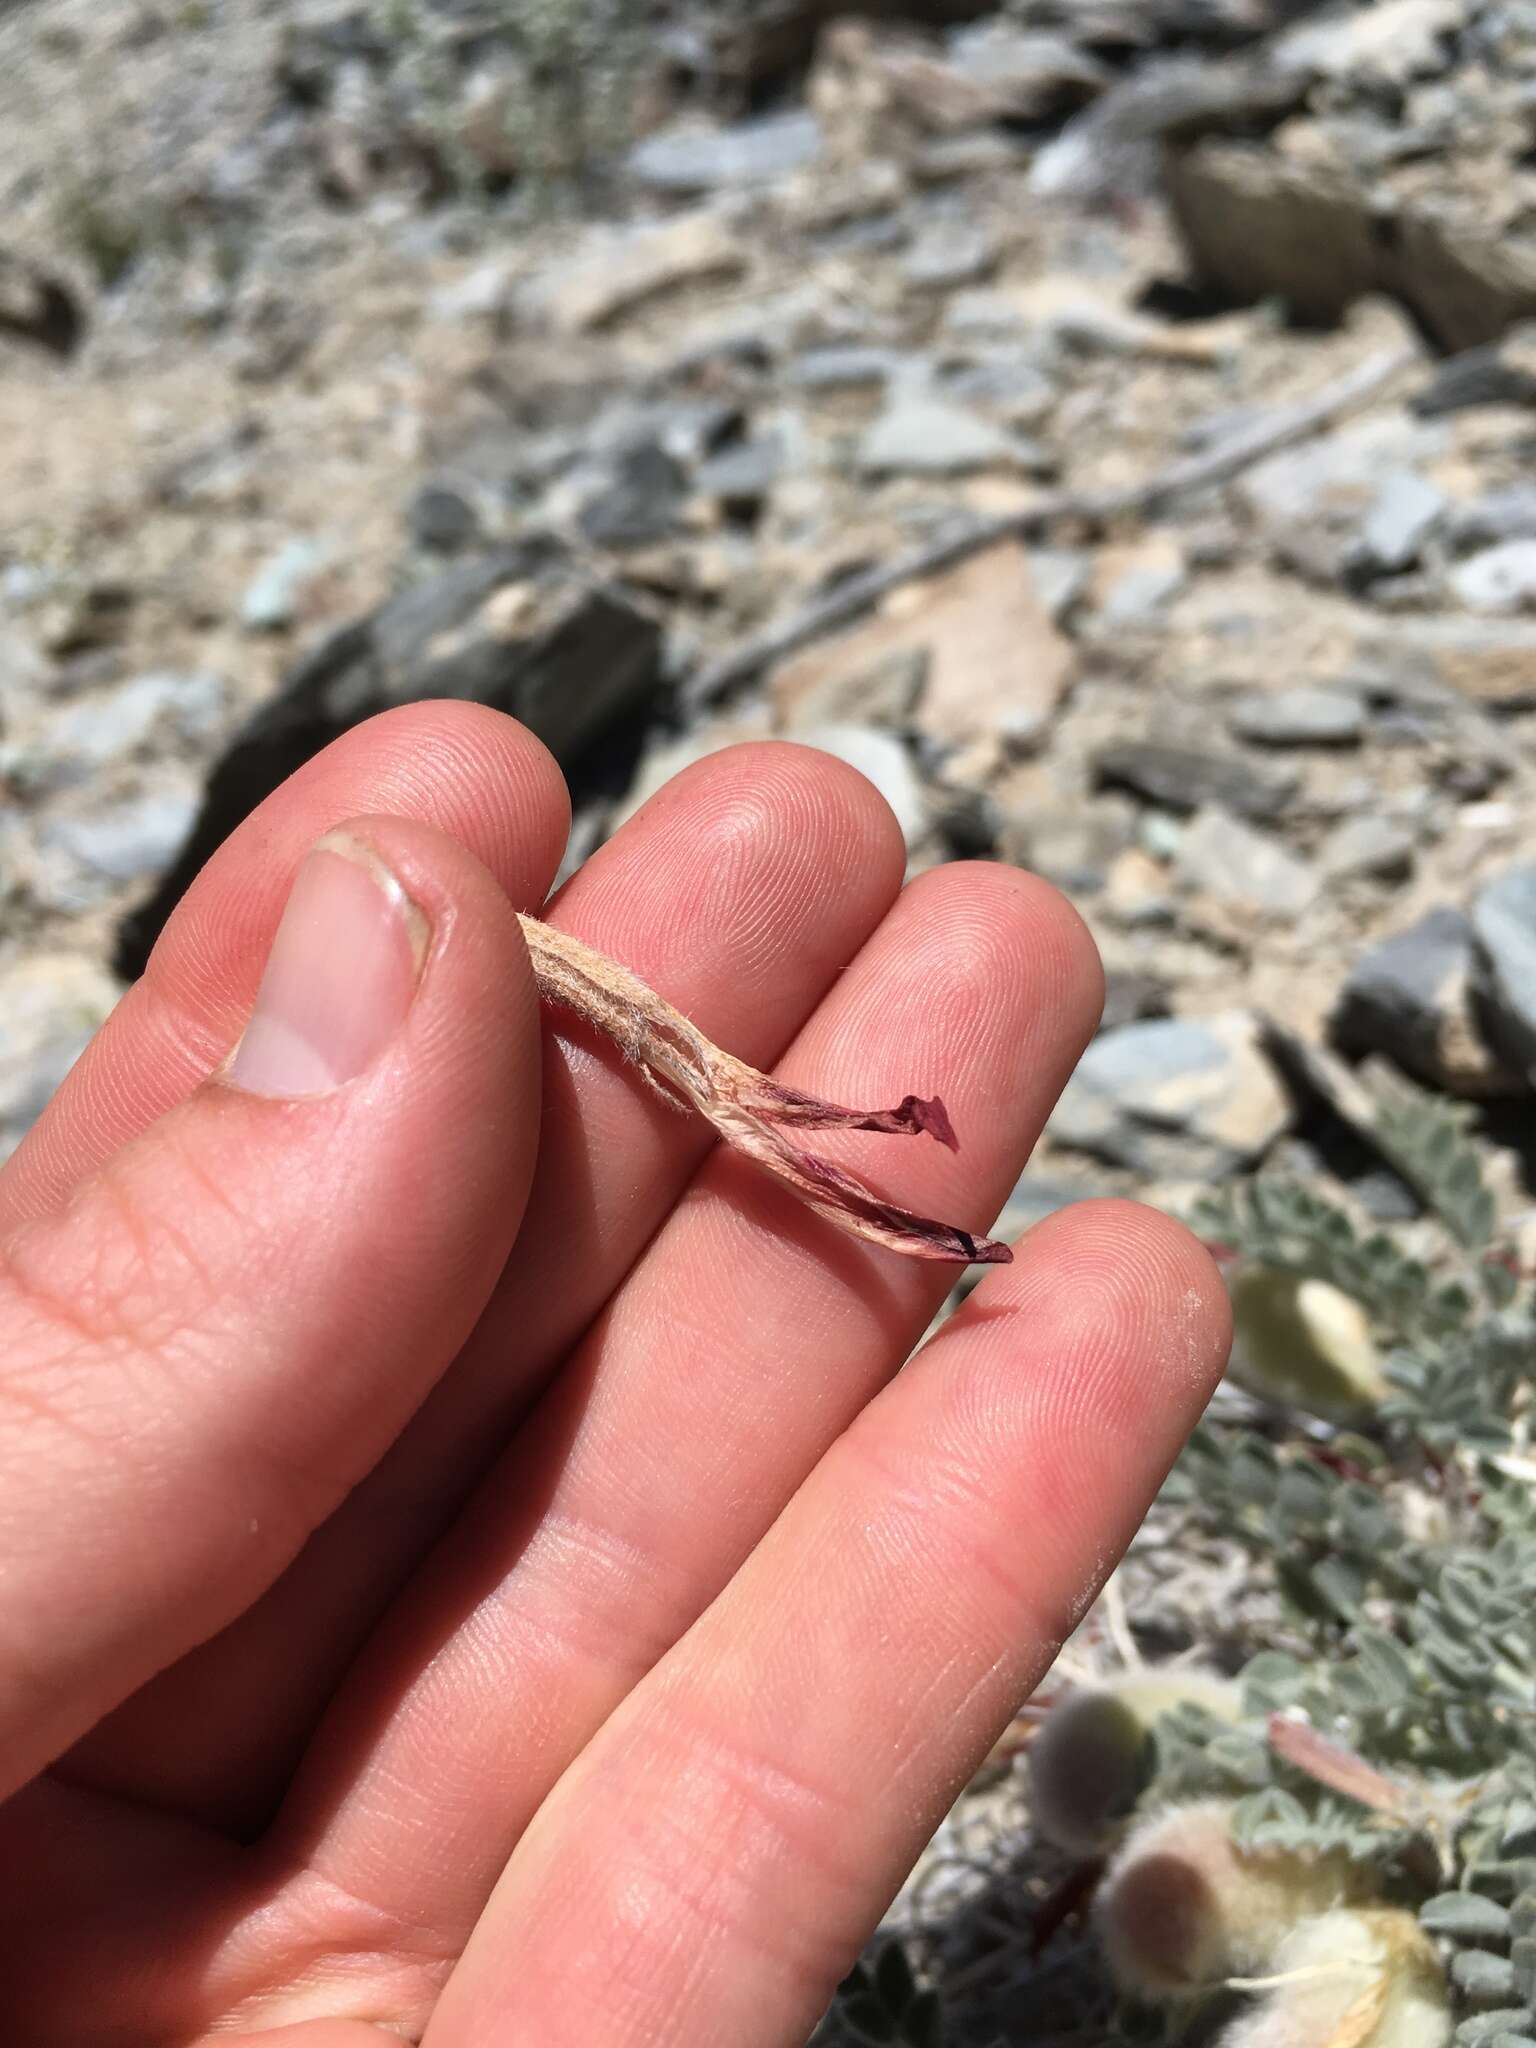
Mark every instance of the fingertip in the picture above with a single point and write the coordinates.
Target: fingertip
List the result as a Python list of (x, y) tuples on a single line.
[(1002, 929), (1085, 1365), (478, 774), (733, 853), (837, 784), (761, 791), (1139, 1300), (442, 1095)]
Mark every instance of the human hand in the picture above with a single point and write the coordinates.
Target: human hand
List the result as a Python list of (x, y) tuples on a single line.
[(467, 1570)]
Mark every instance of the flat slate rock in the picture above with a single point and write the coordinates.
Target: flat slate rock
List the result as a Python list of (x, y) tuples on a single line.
[(87, 734), (1404, 513), (1184, 779), (1491, 659), (1131, 996), (124, 842), (1377, 848), (441, 519), (923, 436), (276, 590), (1175, 1098), (1413, 998), (612, 271), (1504, 918), (947, 255), (1475, 377), (1498, 579), (1508, 513), (640, 503), (844, 366), (689, 161), (1298, 718), (1229, 862)]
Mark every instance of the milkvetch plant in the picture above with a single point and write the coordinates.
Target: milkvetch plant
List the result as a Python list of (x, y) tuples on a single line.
[(1353, 1848)]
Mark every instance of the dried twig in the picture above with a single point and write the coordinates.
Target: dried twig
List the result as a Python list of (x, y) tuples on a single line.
[(749, 1110), (849, 600)]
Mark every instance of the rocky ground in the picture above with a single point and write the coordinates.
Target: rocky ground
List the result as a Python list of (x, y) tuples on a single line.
[(305, 322)]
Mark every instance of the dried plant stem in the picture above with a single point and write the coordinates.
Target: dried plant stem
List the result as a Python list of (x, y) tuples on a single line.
[(859, 593), (749, 1110)]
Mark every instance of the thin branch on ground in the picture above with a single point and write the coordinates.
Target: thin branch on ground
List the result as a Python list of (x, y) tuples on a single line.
[(860, 593)]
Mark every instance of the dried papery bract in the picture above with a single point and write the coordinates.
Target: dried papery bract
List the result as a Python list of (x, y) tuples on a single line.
[(1328, 1763), (750, 1111)]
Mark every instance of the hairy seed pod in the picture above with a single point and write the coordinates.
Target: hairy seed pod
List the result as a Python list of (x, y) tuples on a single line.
[(1303, 1342), (1349, 1980), (1183, 1909), (1091, 1759)]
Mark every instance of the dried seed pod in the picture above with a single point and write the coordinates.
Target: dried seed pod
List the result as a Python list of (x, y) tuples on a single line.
[(751, 1111)]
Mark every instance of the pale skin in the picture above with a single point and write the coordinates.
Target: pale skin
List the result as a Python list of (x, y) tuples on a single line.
[(472, 1570)]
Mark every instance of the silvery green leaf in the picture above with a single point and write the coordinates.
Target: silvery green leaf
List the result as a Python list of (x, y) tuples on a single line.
[(1271, 1681), (1466, 1915), (1240, 1758), (1386, 1663), (1255, 1473), (1483, 1977), (1269, 1820), (1354, 1688), (1305, 1493), (1484, 2026), (1462, 1666), (1341, 1584)]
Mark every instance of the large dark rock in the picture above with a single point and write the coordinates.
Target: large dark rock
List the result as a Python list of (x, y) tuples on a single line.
[(1414, 997), (1258, 224), (1492, 374), (37, 307), (519, 629), (1504, 917)]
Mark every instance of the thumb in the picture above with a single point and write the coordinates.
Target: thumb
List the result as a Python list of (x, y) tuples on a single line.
[(229, 1322)]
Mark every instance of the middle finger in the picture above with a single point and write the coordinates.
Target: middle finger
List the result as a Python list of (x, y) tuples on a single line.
[(745, 1341)]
